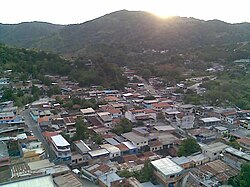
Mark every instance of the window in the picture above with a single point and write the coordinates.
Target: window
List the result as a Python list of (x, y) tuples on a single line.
[(80, 159)]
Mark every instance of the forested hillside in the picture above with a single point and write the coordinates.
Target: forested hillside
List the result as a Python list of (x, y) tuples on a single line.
[(39, 63), (123, 35)]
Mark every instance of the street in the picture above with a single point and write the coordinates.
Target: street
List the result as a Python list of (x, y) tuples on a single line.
[(33, 126), (146, 85)]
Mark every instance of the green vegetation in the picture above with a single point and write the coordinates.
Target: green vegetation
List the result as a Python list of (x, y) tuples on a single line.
[(230, 88), (144, 175), (81, 130), (123, 127), (188, 147), (243, 178), (24, 63)]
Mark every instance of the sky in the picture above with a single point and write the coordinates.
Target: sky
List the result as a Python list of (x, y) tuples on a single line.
[(79, 11)]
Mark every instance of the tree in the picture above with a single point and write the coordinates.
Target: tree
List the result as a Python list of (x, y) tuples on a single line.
[(243, 178), (81, 130), (97, 138), (188, 147), (124, 126)]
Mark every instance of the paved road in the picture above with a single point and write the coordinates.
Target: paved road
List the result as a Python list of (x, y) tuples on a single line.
[(37, 132), (146, 85)]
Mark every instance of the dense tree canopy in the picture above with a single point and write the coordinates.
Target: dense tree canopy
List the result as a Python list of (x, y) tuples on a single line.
[(243, 179), (188, 147)]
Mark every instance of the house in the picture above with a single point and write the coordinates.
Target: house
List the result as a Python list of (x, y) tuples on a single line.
[(115, 113), (183, 161), (155, 145), (111, 99), (244, 142), (202, 134), (235, 158), (164, 128), (113, 150), (47, 135), (170, 114), (6, 104), (185, 120), (210, 121), (4, 82), (149, 103), (67, 179), (167, 172), (198, 159), (88, 112), (33, 151), (4, 155), (112, 180), (228, 116), (215, 173), (188, 108), (136, 139), (61, 148), (132, 149), (134, 115), (245, 123), (213, 151), (44, 122), (158, 107), (94, 171), (82, 149), (166, 139), (141, 131), (123, 149), (105, 118), (10, 118), (98, 155), (36, 181)]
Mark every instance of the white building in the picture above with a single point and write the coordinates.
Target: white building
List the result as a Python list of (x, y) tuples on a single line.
[(185, 121), (113, 150), (61, 147), (136, 139), (214, 150), (141, 114), (167, 172), (105, 118), (88, 112)]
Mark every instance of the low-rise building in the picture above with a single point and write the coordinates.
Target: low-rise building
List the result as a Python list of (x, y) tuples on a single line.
[(235, 158), (88, 112), (61, 148), (210, 121), (198, 159), (185, 120), (113, 150), (4, 155), (183, 161), (213, 151), (167, 172), (136, 139), (244, 142), (111, 179), (140, 115), (105, 118)]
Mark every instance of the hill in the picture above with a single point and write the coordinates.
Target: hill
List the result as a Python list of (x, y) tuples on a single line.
[(123, 36), (26, 34), (34, 63)]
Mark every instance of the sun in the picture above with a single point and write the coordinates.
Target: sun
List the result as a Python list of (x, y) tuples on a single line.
[(163, 11)]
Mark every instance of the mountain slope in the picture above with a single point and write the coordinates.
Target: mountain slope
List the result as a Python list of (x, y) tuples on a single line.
[(137, 30), (125, 32), (25, 34)]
